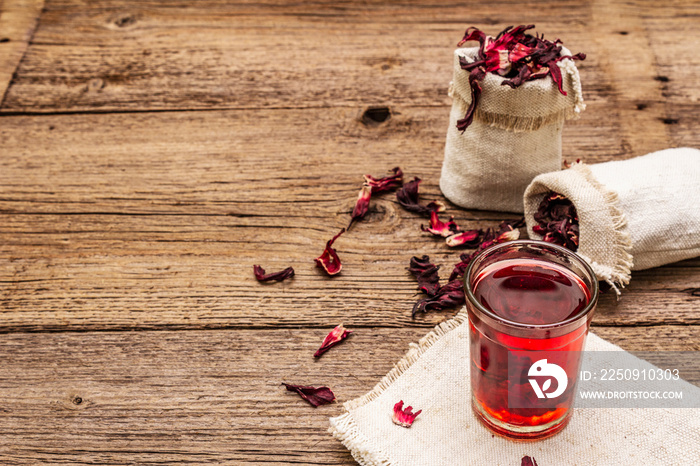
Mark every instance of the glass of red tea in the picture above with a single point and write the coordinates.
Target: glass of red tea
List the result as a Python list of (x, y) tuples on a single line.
[(530, 305)]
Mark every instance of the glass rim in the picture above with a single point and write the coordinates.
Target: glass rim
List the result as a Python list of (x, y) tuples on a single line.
[(511, 323)]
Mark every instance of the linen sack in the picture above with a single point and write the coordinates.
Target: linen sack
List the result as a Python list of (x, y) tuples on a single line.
[(515, 135), (633, 214)]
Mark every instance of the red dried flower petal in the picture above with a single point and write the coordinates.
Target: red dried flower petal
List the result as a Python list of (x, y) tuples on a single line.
[(469, 238), (388, 183), (277, 276), (317, 396), (448, 296), (557, 221), (335, 336), (440, 228), (329, 260), (474, 78), (461, 266), (513, 223), (362, 204), (408, 198), (404, 417), (527, 461), (435, 206), (426, 274), (507, 234), (420, 264), (507, 231)]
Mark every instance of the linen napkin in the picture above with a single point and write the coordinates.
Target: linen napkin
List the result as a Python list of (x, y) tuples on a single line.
[(434, 376)]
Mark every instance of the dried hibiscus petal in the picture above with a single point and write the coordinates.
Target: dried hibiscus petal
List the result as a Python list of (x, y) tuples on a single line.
[(374, 185), (317, 396), (527, 461), (469, 238), (329, 260), (404, 417), (362, 204), (507, 231), (408, 198), (426, 274), (557, 221), (461, 266), (440, 228), (261, 276), (335, 336), (387, 183), (447, 296), (515, 55)]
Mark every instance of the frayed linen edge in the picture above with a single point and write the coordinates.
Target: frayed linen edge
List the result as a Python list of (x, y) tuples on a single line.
[(621, 271), (344, 427)]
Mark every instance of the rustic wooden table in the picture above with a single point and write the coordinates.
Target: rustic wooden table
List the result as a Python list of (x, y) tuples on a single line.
[(152, 152)]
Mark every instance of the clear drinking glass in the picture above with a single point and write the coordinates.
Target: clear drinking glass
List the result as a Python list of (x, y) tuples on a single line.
[(530, 304)]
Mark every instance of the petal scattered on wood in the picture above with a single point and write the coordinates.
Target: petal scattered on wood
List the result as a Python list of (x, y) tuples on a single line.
[(335, 336), (362, 204), (316, 396), (261, 276), (461, 266), (447, 296), (426, 274), (387, 183), (408, 198), (439, 228), (329, 260), (469, 239)]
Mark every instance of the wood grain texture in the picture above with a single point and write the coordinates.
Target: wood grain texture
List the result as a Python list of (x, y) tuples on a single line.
[(200, 396), (152, 151), (117, 55), (18, 21), (110, 223)]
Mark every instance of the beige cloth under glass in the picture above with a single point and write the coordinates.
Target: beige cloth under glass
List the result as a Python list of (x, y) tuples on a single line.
[(434, 377)]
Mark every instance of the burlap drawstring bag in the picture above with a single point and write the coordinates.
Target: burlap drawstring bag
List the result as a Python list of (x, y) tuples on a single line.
[(515, 135), (633, 214)]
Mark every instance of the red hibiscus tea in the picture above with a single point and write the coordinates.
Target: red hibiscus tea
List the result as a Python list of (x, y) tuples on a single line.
[(530, 304)]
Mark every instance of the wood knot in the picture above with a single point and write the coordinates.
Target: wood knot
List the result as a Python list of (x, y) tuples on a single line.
[(122, 20), (77, 400), (376, 115), (95, 85), (670, 121), (662, 79)]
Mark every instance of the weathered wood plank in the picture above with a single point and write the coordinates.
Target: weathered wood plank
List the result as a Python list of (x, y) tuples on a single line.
[(201, 396), (18, 20), (155, 220), (106, 272), (112, 56)]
